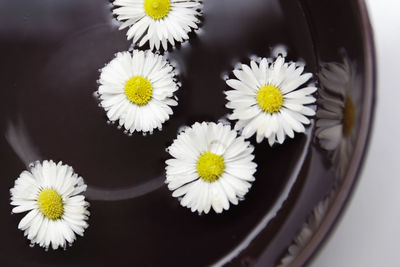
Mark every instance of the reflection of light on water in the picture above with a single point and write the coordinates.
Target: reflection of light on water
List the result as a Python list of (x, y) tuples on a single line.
[(17, 136), (97, 193), (271, 213)]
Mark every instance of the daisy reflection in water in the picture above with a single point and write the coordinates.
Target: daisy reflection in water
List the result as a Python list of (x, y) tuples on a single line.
[(338, 110), (308, 230)]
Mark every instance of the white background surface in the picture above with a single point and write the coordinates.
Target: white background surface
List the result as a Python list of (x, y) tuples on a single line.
[(368, 234)]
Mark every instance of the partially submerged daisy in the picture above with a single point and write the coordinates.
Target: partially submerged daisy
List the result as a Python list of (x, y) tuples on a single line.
[(137, 90), (57, 211), (268, 99), (338, 111), (158, 22), (212, 167)]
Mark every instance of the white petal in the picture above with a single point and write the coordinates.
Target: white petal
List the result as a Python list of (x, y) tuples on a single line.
[(147, 65), (182, 177), (27, 220)]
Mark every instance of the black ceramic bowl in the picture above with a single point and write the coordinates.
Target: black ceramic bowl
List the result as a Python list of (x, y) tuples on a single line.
[(50, 55)]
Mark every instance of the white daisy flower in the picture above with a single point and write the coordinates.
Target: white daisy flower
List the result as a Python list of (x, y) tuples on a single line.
[(158, 21), (338, 112), (57, 211), (137, 90), (212, 167), (266, 99)]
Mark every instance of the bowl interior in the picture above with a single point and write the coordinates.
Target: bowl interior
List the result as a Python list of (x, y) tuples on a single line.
[(51, 53)]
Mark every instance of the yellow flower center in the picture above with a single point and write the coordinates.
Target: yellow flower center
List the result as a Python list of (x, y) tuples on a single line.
[(157, 9), (210, 166), (51, 204), (138, 90), (270, 98), (348, 116)]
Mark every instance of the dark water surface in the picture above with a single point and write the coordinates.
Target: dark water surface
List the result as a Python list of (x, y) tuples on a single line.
[(51, 52)]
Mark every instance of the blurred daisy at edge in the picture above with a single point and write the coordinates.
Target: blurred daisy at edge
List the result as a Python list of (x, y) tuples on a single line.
[(57, 211), (211, 167), (137, 90), (158, 22), (308, 230), (268, 99), (338, 111)]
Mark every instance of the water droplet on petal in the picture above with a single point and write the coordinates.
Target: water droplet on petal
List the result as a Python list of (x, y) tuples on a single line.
[(200, 31), (182, 128), (224, 76), (224, 120), (253, 57), (300, 63), (185, 44), (279, 50), (238, 66)]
